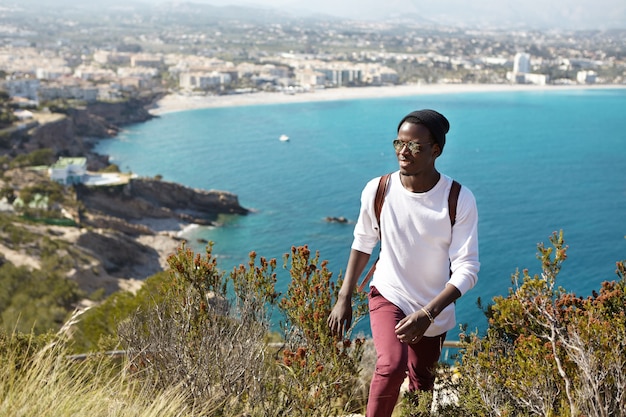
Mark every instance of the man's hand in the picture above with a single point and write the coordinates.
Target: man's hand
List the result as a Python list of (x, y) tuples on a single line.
[(411, 328), (340, 317)]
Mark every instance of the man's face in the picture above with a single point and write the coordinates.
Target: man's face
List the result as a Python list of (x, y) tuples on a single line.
[(415, 149)]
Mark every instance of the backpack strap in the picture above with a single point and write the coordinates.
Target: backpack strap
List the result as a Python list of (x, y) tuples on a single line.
[(380, 197), (453, 199), (378, 207)]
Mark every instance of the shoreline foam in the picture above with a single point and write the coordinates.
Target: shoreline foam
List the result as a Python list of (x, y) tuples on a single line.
[(180, 102)]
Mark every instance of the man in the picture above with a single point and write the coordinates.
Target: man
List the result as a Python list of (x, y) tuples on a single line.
[(425, 263)]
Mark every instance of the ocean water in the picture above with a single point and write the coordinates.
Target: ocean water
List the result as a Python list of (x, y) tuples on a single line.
[(537, 162)]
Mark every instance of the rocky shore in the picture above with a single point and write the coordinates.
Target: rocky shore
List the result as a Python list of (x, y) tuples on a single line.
[(126, 230)]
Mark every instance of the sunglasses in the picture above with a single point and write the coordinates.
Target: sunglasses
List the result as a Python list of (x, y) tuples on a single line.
[(414, 146)]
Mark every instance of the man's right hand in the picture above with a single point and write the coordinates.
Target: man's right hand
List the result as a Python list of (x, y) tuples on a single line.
[(340, 317)]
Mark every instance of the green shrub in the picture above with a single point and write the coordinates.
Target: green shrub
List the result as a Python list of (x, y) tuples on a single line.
[(37, 157), (111, 168), (97, 328), (323, 372), (209, 334), (34, 300), (549, 352)]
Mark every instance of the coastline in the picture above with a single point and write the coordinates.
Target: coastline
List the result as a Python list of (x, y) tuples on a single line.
[(180, 102), (170, 234)]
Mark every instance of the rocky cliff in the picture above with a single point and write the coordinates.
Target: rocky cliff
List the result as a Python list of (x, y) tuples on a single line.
[(76, 133), (142, 199), (126, 231)]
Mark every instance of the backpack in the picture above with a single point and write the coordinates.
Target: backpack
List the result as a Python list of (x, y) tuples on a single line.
[(453, 198)]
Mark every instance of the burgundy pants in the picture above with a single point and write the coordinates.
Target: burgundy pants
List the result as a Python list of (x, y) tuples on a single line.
[(394, 359)]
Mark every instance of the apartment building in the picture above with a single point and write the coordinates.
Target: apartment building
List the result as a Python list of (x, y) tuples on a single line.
[(203, 80)]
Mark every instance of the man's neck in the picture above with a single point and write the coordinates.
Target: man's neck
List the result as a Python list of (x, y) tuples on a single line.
[(420, 183)]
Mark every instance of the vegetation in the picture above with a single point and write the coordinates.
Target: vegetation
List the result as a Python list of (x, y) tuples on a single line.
[(548, 352), (37, 300), (111, 168), (216, 346), (32, 193), (40, 297), (7, 118), (198, 340), (97, 329), (38, 378), (39, 157)]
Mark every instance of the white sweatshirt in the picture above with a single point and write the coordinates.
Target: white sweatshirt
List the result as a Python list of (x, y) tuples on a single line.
[(418, 245)]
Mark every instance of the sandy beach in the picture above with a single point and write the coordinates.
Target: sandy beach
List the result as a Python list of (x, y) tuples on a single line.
[(181, 102)]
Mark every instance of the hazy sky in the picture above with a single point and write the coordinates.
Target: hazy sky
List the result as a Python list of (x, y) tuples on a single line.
[(583, 14)]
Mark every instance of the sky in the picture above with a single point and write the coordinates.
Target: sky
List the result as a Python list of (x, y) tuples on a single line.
[(570, 14)]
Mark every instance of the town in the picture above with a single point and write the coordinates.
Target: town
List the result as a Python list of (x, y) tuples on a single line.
[(79, 56)]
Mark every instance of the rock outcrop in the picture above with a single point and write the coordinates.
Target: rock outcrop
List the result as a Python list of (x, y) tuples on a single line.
[(76, 133), (143, 198)]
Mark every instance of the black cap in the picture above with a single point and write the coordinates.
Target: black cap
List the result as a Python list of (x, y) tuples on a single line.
[(433, 120)]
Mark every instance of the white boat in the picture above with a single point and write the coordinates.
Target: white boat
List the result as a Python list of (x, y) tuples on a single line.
[(283, 138)]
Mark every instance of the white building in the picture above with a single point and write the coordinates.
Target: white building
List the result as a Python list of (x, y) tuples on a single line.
[(108, 57), (521, 71), (586, 77), (527, 78), (146, 60), (521, 63), (68, 171), (203, 80), (309, 78), (340, 77), (139, 72), (23, 87), (65, 90), (52, 73), (537, 79)]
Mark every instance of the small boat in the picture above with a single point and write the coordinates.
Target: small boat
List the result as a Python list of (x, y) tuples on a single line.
[(283, 138)]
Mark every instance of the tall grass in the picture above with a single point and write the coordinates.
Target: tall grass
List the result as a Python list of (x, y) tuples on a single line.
[(48, 383)]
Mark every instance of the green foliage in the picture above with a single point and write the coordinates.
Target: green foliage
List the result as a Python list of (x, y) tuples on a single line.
[(111, 168), (35, 158), (34, 300), (97, 328), (195, 338), (323, 370), (21, 346), (7, 118), (549, 352), (50, 189), (209, 334), (13, 233), (546, 352), (41, 298)]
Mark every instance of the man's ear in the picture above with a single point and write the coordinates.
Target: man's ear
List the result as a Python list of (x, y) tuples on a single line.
[(436, 150)]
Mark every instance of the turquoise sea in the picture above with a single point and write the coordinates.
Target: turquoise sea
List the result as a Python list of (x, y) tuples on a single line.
[(537, 162)]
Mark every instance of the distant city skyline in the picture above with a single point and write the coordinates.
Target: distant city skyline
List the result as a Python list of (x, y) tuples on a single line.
[(533, 14)]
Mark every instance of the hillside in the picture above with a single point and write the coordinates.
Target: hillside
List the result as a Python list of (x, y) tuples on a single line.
[(99, 238)]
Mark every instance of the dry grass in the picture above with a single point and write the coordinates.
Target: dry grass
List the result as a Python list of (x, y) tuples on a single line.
[(47, 383)]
